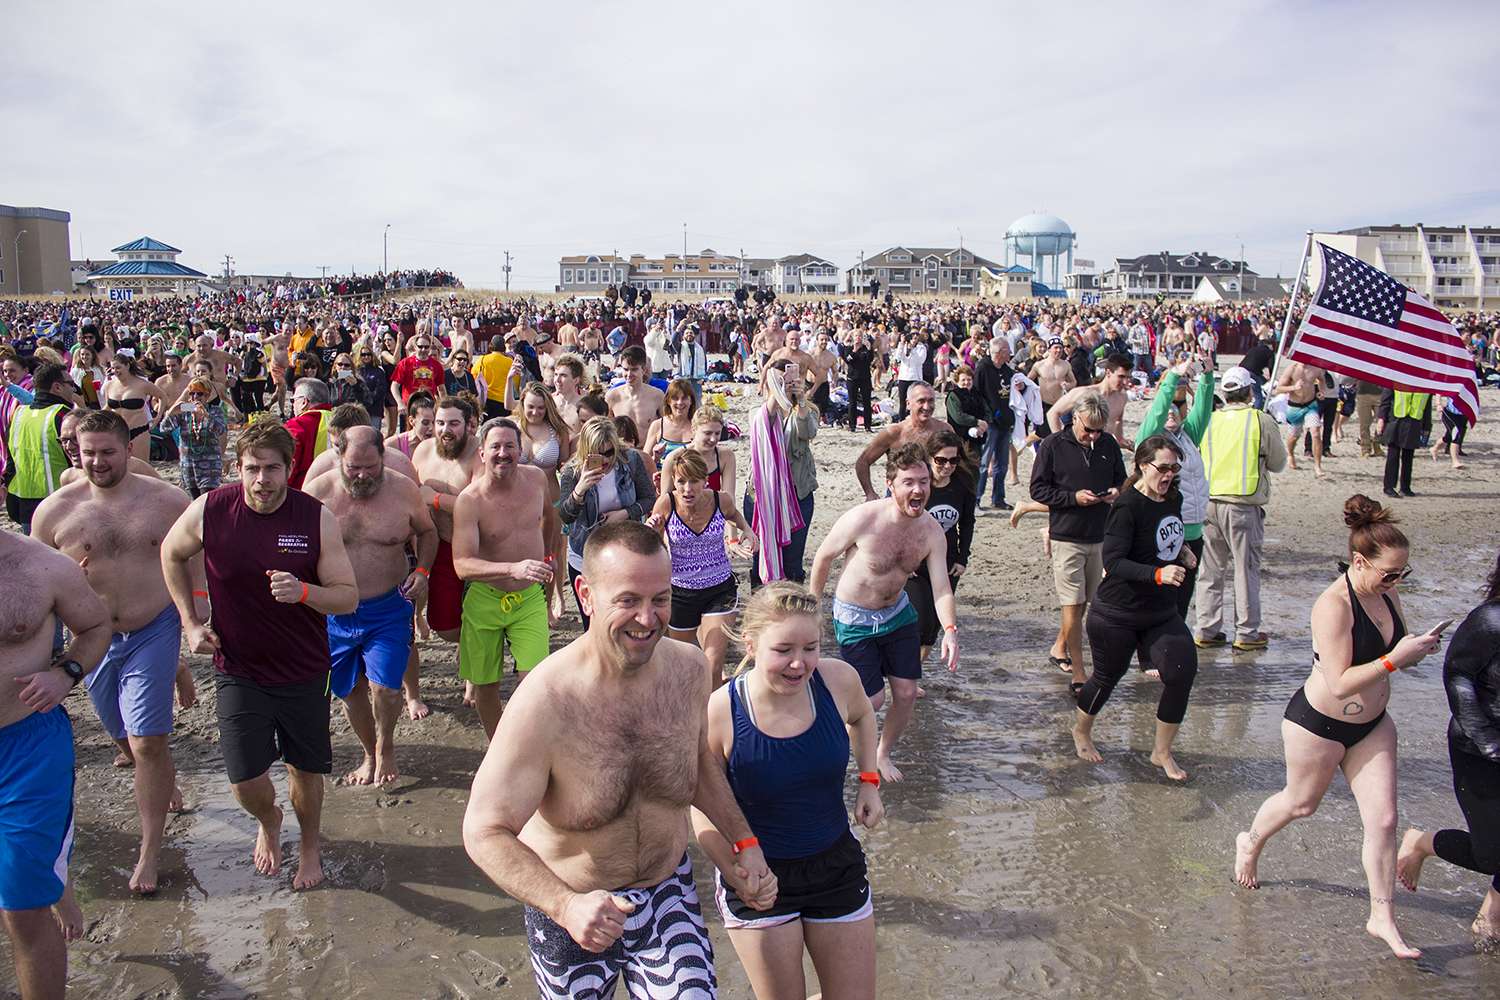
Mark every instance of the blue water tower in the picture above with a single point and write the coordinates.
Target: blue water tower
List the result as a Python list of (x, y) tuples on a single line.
[(1039, 237)]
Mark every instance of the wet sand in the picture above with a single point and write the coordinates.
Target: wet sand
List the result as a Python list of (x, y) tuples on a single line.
[(1005, 865)]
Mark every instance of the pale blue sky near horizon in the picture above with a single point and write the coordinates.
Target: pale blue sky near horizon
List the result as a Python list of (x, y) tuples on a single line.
[(289, 135)]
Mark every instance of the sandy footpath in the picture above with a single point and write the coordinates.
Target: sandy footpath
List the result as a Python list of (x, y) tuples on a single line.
[(1006, 865)]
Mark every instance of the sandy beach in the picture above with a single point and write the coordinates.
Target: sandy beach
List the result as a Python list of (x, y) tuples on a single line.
[(1006, 866)]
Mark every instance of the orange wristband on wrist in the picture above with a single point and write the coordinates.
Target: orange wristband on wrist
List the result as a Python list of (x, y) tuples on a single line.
[(200, 593), (435, 498), (741, 845), (869, 778), (418, 569), (1158, 574), (1389, 666), (303, 598)]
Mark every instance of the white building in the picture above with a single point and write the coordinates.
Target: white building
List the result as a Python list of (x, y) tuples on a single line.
[(804, 274), (1455, 267)]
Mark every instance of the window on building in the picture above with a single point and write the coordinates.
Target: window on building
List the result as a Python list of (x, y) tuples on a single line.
[(567, 275), (593, 276), (899, 258), (670, 286), (945, 274), (880, 273), (655, 286), (691, 286), (932, 284), (931, 265)]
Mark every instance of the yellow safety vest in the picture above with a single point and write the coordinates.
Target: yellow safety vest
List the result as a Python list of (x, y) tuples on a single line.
[(1231, 452), (1409, 404)]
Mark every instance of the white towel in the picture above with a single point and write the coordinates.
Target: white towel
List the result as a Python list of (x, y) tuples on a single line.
[(1026, 401)]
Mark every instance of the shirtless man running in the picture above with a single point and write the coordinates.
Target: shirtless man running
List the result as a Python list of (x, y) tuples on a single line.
[(175, 382), (378, 512), (37, 587), (637, 399), (280, 344), (1053, 377), (1117, 368), (1303, 385), (500, 526), (445, 465), (112, 524), (919, 425), (579, 807), (567, 390), (874, 621)]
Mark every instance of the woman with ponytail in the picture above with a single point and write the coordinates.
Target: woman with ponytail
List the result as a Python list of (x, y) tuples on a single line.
[(1337, 720)]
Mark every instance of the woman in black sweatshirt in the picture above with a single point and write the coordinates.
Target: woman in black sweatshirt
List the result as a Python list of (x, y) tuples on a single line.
[(1135, 610)]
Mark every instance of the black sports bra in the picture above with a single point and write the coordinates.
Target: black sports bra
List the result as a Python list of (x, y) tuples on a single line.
[(126, 404), (1369, 644)]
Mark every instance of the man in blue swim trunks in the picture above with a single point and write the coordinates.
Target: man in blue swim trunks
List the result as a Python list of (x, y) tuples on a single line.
[(1303, 385), (883, 542), (37, 587), (112, 524), (378, 512)]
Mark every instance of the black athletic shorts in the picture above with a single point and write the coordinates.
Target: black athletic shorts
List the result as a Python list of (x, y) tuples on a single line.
[(830, 887), (259, 725), (689, 606)]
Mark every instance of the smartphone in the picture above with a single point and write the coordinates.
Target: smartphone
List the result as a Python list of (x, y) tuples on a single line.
[(189, 407), (1440, 627), (593, 462)]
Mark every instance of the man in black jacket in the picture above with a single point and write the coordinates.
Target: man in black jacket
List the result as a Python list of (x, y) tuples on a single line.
[(992, 381), (1078, 473)]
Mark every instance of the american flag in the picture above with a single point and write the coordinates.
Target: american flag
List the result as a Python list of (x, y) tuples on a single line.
[(1366, 324)]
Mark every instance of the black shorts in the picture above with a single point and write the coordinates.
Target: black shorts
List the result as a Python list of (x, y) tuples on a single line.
[(690, 606), (495, 408), (829, 887), (259, 725)]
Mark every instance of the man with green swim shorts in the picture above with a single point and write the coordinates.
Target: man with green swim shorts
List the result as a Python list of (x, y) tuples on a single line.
[(500, 525)]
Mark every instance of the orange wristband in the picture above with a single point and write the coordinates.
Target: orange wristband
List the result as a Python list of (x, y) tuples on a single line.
[(418, 569), (200, 593), (1389, 666), (743, 844), (303, 598), (869, 778), (1158, 574), (435, 498)]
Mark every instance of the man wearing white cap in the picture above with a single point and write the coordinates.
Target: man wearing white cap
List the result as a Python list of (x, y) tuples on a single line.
[(1053, 376), (1241, 446)]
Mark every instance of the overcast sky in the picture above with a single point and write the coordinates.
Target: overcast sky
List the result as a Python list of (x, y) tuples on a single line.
[(288, 135)]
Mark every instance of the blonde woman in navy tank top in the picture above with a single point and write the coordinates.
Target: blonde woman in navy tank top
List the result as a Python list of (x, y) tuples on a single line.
[(784, 731)]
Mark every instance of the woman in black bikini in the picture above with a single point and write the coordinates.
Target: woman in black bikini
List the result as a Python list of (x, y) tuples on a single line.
[(127, 394), (1338, 719)]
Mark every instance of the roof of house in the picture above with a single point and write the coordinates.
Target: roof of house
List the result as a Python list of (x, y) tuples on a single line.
[(945, 254), (1185, 263), (153, 267), (32, 212), (145, 243), (798, 260), (1213, 288), (1012, 269)]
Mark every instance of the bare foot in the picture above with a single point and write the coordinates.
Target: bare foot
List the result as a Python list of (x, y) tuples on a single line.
[(309, 871), (1385, 929), (69, 916), (1409, 859), (1086, 748), (123, 760), (417, 708), (1319, 473), (1153, 672), (888, 771), (424, 631), (1246, 857), (1460, 465), (386, 770), (187, 693), (143, 880), (1487, 931), (921, 691), (1015, 516), (364, 774), (468, 695), (1166, 763), (268, 847), (174, 804)]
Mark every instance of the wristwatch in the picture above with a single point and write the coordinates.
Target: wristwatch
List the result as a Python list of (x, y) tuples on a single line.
[(73, 670)]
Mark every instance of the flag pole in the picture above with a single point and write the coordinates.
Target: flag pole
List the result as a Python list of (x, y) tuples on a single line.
[(1284, 347)]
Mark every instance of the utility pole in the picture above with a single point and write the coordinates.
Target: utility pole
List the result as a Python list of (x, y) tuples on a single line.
[(861, 283), (958, 275), (507, 272), (227, 261), (1241, 296), (324, 269), (385, 267)]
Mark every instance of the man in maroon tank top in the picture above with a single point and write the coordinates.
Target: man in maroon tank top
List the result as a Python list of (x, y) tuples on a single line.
[(276, 568)]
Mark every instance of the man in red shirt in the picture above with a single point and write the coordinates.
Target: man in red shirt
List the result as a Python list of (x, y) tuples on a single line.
[(311, 406), (421, 371)]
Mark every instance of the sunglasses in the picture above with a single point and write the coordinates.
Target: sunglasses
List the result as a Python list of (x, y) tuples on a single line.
[(940, 460), (606, 454), (1092, 431), (1174, 468), (460, 357), (1394, 575)]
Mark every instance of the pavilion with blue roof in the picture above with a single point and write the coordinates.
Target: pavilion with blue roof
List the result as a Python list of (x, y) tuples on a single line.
[(146, 267)]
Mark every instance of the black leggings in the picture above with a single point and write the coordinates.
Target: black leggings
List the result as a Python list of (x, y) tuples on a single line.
[(1476, 783), (1159, 638), (860, 404), (1455, 426)]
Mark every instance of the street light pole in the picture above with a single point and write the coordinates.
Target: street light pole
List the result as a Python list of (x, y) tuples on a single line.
[(386, 265), (16, 247), (959, 274)]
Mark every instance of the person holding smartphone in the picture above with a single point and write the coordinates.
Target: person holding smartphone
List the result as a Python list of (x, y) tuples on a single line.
[(1337, 720), (199, 428)]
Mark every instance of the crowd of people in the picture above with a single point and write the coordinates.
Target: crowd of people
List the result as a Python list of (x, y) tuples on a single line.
[(350, 479)]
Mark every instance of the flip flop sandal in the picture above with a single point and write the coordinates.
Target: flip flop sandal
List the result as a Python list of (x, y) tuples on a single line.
[(1075, 689), (1065, 664)]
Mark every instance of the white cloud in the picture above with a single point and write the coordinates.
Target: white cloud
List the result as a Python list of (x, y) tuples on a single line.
[(289, 135)]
